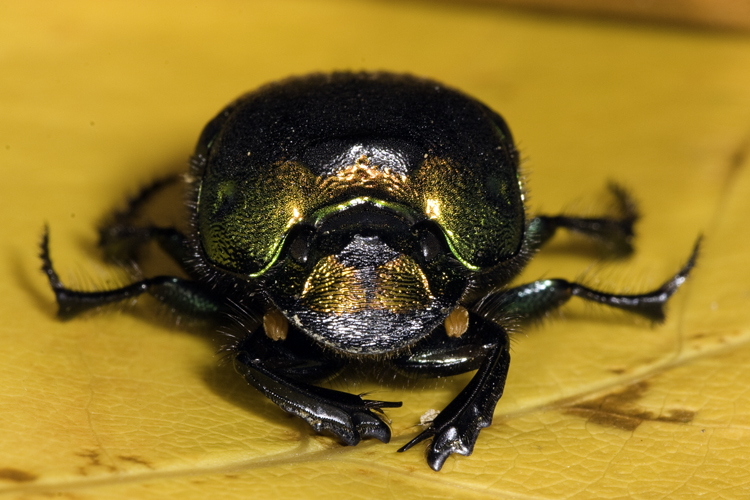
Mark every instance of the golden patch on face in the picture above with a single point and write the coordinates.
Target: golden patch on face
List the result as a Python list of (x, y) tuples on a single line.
[(402, 286), (398, 285), (333, 288)]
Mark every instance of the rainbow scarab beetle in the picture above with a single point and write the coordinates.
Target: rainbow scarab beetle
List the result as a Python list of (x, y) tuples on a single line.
[(362, 216)]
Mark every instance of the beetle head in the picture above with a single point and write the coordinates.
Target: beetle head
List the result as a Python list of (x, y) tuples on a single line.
[(366, 279)]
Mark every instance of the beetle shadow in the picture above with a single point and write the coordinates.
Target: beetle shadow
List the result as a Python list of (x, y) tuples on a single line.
[(221, 379), (604, 315)]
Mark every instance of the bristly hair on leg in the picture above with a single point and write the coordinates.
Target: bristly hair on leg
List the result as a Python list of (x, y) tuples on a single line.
[(134, 203)]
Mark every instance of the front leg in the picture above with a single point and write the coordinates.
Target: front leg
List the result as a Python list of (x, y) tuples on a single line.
[(347, 416), (456, 428)]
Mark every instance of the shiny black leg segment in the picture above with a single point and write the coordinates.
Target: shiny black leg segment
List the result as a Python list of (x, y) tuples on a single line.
[(183, 295), (456, 428), (442, 356), (347, 416), (615, 234), (534, 300)]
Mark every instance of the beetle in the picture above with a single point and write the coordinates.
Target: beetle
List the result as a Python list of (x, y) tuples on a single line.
[(362, 216)]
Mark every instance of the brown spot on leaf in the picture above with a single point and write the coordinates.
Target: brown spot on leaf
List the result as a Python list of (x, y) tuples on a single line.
[(16, 475), (677, 416), (623, 422), (136, 460), (619, 410), (94, 458)]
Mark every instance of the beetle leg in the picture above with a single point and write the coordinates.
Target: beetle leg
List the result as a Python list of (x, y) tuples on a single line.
[(456, 428), (616, 234), (183, 295), (534, 300), (296, 358), (120, 238), (347, 416), (440, 355), (144, 195), (120, 242)]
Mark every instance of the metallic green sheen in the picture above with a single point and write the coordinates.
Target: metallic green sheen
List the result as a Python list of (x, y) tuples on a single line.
[(294, 152)]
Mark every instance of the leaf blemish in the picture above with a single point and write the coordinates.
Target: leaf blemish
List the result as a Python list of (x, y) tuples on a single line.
[(619, 410), (136, 460), (16, 475), (94, 459)]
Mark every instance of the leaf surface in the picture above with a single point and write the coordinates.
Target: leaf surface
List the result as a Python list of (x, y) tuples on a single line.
[(99, 99)]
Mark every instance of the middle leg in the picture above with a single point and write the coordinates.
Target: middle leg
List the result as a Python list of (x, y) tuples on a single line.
[(534, 300), (183, 295)]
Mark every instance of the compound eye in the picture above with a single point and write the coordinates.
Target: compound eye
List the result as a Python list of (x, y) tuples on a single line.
[(430, 245), (299, 248), (226, 199), (431, 240)]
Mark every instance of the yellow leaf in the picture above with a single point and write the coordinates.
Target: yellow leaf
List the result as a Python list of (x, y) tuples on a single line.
[(97, 99)]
